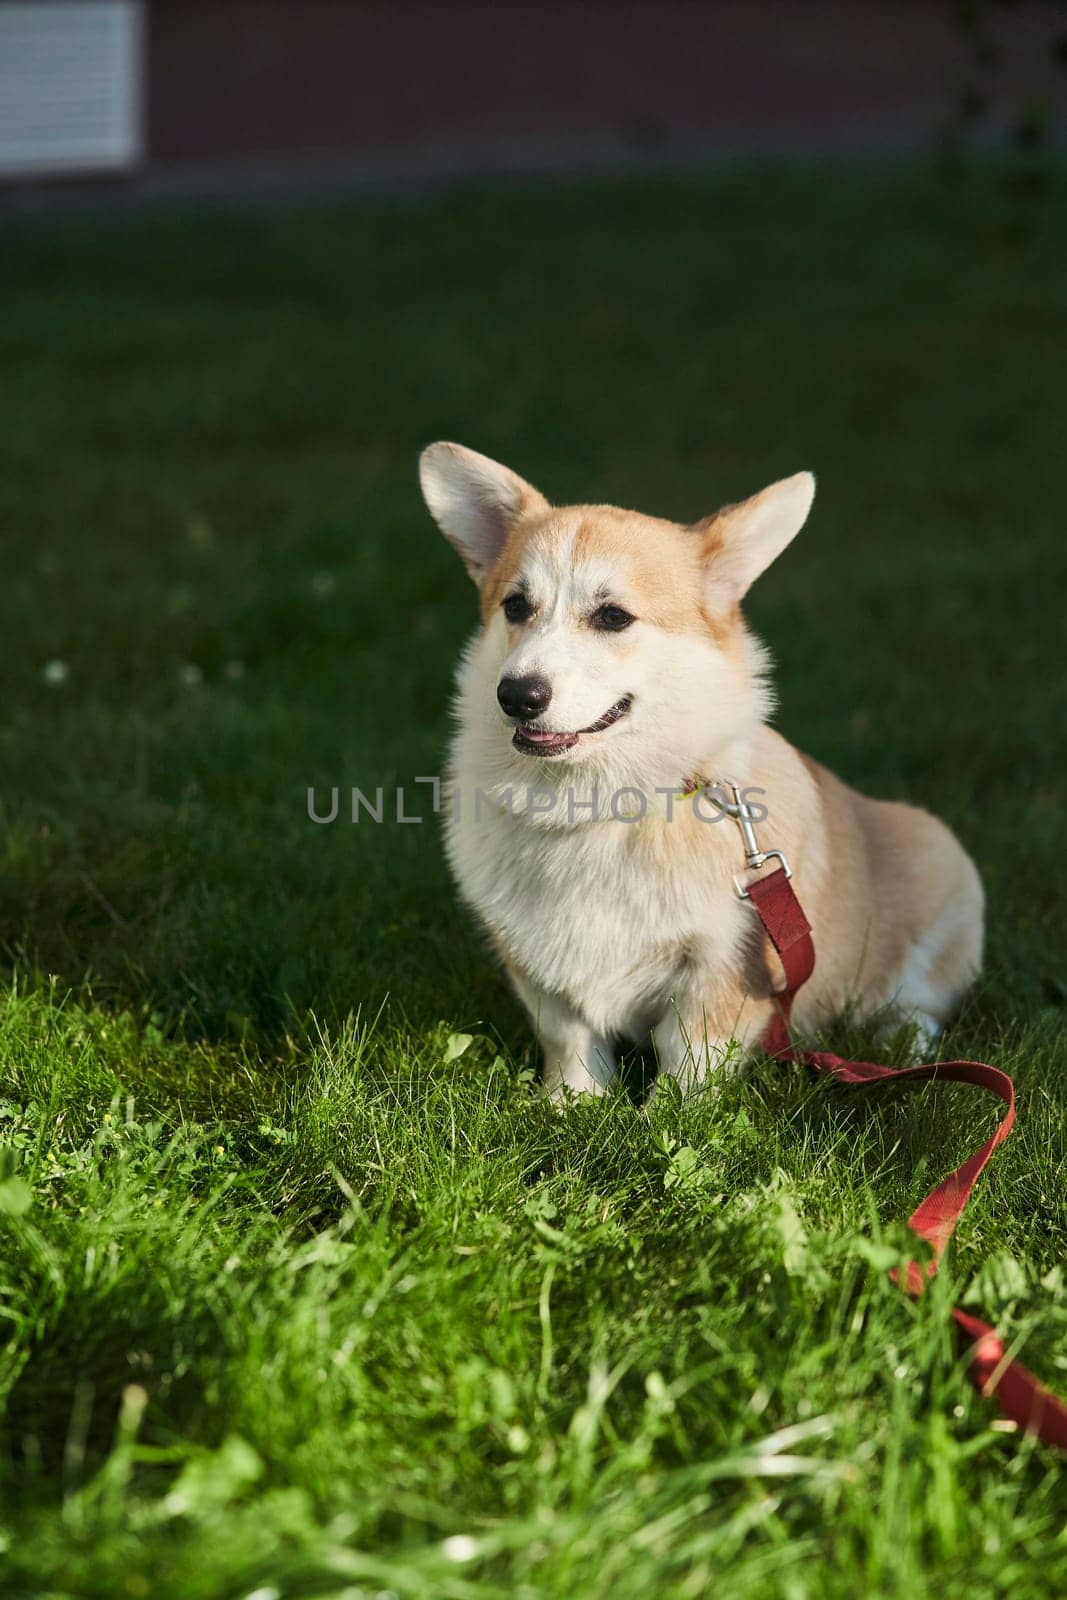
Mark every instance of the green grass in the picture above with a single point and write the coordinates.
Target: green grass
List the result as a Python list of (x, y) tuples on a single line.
[(298, 1296)]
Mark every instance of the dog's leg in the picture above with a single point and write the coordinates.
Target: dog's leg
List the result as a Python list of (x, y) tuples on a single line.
[(692, 1045), (578, 1060), (943, 960), (687, 1051)]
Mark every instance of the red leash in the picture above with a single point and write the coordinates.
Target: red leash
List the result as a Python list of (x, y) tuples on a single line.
[(1019, 1394)]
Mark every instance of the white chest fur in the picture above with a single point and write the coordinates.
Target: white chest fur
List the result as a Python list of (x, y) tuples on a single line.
[(613, 916)]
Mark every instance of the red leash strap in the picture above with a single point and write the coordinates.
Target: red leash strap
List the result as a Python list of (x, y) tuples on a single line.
[(992, 1371), (790, 933)]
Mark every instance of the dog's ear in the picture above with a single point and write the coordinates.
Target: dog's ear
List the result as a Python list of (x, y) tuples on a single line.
[(741, 541), (474, 501)]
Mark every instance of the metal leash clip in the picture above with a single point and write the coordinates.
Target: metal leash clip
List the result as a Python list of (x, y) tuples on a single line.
[(754, 857)]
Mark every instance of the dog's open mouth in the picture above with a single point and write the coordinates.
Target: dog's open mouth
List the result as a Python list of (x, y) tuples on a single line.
[(535, 741)]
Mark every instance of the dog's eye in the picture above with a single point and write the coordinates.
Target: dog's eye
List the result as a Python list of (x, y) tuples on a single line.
[(517, 608), (611, 619)]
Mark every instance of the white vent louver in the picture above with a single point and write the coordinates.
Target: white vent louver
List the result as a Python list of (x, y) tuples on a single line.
[(70, 86)]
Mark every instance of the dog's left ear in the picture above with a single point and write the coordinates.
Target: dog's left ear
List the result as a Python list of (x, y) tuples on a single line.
[(741, 541), (475, 502)]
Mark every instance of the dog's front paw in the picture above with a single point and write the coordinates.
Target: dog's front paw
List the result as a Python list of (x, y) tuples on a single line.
[(566, 1092), (559, 1098)]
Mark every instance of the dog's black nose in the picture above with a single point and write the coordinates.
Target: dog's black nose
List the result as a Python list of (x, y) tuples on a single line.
[(524, 698)]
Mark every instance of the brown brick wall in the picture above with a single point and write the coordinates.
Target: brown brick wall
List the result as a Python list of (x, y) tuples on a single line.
[(255, 78)]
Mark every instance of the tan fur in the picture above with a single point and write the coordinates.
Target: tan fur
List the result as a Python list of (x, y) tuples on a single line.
[(660, 562), (895, 904)]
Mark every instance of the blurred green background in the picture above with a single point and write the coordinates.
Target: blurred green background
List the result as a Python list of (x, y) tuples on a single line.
[(220, 585)]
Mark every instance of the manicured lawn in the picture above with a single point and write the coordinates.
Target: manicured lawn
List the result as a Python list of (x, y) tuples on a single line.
[(299, 1295)]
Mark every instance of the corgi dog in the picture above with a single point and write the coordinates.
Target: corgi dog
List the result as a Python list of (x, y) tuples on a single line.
[(611, 695)]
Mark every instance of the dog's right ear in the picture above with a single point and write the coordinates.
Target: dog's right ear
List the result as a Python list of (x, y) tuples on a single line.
[(475, 502)]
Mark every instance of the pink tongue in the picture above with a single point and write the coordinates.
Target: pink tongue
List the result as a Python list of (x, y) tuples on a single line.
[(544, 737)]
